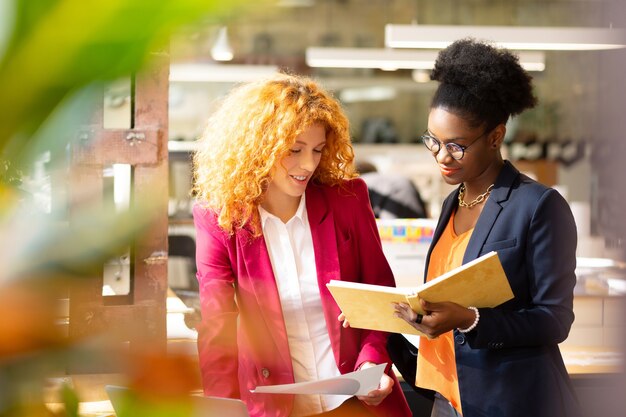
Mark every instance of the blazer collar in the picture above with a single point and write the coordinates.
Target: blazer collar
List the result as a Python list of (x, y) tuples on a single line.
[(500, 193), (322, 222), (503, 185), (316, 204)]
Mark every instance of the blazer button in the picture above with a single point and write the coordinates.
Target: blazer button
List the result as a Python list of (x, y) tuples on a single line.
[(459, 339), (265, 372)]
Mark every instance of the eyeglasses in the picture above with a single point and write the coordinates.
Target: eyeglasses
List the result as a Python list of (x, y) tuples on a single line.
[(455, 150)]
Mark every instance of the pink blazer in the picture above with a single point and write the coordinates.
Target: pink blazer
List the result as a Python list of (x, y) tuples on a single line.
[(242, 341)]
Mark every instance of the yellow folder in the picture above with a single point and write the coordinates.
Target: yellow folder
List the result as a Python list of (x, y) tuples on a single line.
[(479, 283)]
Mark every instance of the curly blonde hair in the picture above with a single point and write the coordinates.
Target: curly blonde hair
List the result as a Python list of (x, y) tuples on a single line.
[(256, 126)]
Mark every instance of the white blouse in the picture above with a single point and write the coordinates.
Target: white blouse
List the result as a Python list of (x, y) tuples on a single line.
[(290, 246)]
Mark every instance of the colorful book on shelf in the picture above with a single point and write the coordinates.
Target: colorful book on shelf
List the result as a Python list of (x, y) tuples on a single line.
[(479, 283)]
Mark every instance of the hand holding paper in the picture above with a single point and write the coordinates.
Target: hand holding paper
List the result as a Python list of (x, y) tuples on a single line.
[(359, 382), (376, 396)]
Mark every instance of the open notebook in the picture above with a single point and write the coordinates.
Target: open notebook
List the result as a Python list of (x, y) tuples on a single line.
[(480, 283), (200, 406)]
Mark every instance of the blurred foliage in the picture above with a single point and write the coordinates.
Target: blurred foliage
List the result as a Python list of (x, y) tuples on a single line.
[(53, 55), (9, 174), (70, 399), (59, 46)]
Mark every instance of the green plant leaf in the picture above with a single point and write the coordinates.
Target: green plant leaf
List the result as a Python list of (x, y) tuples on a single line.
[(70, 400), (59, 46)]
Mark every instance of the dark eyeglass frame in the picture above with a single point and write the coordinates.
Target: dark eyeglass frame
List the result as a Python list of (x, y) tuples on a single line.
[(451, 147)]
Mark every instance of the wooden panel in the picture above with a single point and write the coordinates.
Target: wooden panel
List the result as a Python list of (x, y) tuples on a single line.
[(118, 146), (150, 285), (139, 319)]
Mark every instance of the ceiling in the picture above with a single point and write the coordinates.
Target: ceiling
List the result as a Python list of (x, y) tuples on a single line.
[(277, 32), (271, 34)]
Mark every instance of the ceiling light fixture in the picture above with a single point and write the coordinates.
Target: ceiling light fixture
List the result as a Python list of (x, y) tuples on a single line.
[(295, 3), (512, 37), (374, 93), (221, 50), (196, 72), (387, 59)]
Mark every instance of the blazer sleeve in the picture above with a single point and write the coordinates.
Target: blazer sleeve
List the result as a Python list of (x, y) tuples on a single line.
[(550, 261), (374, 270), (217, 333)]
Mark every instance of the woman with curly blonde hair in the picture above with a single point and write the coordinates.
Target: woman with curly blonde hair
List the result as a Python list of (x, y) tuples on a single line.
[(279, 215)]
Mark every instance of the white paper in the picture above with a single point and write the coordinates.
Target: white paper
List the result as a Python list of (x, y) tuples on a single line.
[(359, 382)]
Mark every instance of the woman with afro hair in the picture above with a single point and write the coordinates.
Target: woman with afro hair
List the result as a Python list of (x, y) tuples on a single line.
[(502, 361), (279, 215)]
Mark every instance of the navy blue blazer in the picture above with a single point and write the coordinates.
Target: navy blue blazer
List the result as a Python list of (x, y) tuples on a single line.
[(510, 365)]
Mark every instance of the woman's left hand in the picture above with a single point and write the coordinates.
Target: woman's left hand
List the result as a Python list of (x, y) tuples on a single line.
[(439, 318), (377, 396), (342, 318)]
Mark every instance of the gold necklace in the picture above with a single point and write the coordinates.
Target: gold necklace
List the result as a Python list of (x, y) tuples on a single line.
[(475, 201)]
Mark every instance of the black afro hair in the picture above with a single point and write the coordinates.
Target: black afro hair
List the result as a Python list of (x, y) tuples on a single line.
[(481, 83)]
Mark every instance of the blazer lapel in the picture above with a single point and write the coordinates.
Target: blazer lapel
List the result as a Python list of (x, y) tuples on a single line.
[(492, 209), (259, 267), (321, 221)]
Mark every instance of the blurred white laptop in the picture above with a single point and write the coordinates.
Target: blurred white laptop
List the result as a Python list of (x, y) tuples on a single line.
[(202, 406)]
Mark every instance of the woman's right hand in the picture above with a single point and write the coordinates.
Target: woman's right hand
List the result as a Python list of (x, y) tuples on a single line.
[(342, 318)]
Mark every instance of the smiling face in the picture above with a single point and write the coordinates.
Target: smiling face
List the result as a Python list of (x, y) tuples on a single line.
[(293, 172), (478, 161)]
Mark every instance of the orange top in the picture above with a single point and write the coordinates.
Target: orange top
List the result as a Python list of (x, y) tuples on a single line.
[(436, 363)]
